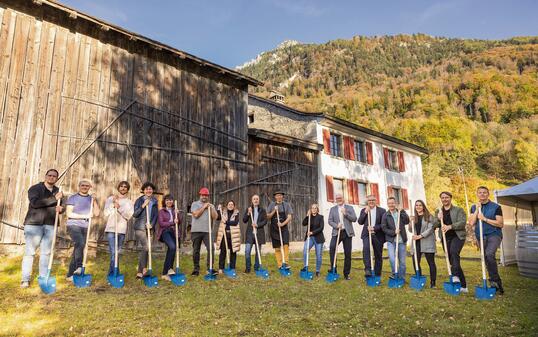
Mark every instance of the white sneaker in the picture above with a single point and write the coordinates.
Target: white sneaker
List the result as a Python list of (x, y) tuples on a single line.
[(70, 278), (456, 279), (464, 290), (171, 272), (25, 284), (78, 271)]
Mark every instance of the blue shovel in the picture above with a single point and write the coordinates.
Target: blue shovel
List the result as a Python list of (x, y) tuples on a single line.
[(450, 287), (48, 283), (261, 272), (396, 281), (84, 280), (178, 278), (333, 275), (305, 274), (116, 279), (416, 281), (483, 292), (210, 276), (372, 280), (228, 271), (284, 270), (149, 280)]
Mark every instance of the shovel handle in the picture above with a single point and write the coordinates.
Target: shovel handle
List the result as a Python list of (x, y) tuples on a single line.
[(177, 233), (210, 241), (56, 218), (336, 247), (448, 266), (226, 245), (280, 235), (397, 243), (370, 239), (149, 237), (85, 255), (482, 245), (258, 253), (415, 257), (308, 241), (115, 215)]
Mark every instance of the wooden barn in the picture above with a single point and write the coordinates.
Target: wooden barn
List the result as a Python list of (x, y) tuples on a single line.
[(130, 108)]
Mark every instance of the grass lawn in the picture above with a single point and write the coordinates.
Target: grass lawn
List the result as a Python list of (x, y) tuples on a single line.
[(249, 306)]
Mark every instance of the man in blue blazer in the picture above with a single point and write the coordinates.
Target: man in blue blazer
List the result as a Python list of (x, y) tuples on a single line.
[(378, 236), (341, 217)]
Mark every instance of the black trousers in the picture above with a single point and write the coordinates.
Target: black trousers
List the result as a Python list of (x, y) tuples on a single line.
[(78, 236), (378, 254), (454, 246), (430, 258), (197, 238), (224, 251), (347, 250)]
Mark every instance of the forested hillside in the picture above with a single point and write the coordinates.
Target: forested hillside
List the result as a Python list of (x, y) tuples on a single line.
[(472, 103)]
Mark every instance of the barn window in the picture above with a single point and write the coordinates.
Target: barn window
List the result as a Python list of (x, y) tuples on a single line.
[(336, 145), (250, 118)]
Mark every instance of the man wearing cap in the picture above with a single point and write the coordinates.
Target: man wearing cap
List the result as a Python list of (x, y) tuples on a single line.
[(285, 213), (342, 217), (200, 228)]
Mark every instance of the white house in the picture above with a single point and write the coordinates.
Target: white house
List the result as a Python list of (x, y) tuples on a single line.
[(355, 161)]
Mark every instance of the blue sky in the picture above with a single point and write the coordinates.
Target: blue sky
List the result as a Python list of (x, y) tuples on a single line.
[(234, 31)]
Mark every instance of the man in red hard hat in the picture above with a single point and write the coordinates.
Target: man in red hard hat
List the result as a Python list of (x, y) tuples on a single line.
[(201, 210)]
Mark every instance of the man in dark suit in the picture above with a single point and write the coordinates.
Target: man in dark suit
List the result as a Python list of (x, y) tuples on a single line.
[(378, 237)]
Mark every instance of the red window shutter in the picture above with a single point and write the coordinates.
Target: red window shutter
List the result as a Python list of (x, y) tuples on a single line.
[(326, 141), (349, 191), (401, 162), (369, 154), (375, 191), (405, 198), (330, 188), (390, 191), (355, 192), (346, 147), (351, 149), (386, 157)]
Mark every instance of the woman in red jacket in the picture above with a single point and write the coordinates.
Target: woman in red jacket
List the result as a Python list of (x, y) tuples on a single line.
[(167, 234)]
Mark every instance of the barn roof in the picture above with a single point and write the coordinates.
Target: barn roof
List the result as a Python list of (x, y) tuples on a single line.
[(107, 27)]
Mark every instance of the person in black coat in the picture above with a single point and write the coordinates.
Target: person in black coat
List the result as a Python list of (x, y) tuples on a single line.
[(257, 213), (389, 223), (315, 236), (378, 236)]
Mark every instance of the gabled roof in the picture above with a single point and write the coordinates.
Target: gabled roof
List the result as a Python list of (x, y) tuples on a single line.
[(73, 14), (335, 121)]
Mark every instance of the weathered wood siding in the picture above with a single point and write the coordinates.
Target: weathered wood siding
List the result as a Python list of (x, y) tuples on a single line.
[(63, 80), (298, 178)]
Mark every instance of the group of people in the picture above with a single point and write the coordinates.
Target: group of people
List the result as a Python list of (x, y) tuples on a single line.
[(380, 226)]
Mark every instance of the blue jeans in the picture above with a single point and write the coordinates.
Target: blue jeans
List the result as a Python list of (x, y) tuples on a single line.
[(111, 249), (170, 241), (401, 258), (319, 252), (78, 236), (36, 236), (248, 249)]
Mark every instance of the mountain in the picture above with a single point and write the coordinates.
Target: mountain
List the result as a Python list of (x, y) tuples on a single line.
[(472, 103)]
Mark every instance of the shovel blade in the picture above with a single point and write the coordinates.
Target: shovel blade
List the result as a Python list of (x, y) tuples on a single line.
[(396, 282), (373, 281), (417, 282), (82, 280), (306, 275), (262, 273), (229, 272), (179, 279), (332, 276), (116, 280), (284, 270), (210, 276), (149, 280), (484, 293), (452, 288), (47, 284)]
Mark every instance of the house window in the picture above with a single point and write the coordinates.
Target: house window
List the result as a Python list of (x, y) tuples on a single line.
[(393, 160), (396, 193), (338, 186), (359, 149), (336, 145), (251, 119), (400, 194), (363, 192)]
